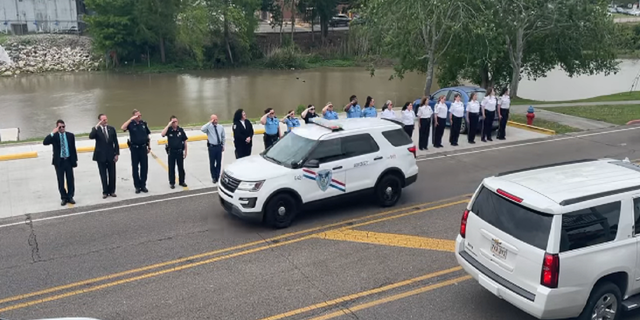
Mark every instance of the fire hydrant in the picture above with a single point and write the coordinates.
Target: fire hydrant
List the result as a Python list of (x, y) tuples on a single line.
[(530, 116)]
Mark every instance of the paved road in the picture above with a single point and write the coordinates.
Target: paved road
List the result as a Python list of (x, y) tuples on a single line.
[(185, 259)]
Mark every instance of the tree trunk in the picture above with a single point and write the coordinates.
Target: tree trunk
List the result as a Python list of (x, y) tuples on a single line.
[(313, 36), (515, 55), (293, 18), (226, 32), (484, 76), (162, 54), (430, 71)]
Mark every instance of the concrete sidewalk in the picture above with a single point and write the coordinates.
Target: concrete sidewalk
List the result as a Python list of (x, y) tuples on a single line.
[(29, 185), (564, 119)]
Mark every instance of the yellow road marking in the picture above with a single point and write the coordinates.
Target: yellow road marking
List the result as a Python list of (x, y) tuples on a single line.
[(389, 239), (362, 294), (219, 251), (148, 275), (393, 298)]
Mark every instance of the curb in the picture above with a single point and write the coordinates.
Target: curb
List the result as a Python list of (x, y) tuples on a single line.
[(18, 156), (203, 137), (91, 148), (531, 128)]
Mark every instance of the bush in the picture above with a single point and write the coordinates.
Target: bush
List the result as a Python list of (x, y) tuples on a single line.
[(286, 58), (300, 108)]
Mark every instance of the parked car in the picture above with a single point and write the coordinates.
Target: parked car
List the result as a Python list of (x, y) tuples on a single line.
[(340, 20), (465, 93)]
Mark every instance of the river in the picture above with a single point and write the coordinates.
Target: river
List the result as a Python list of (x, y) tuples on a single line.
[(33, 103)]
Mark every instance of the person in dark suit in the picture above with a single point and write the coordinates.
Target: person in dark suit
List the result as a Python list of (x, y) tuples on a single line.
[(242, 134), (106, 154), (65, 158)]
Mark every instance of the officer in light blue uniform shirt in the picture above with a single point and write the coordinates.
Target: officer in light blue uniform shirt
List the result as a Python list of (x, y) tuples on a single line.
[(369, 109), (291, 121), (353, 109), (328, 113), (271, 127)]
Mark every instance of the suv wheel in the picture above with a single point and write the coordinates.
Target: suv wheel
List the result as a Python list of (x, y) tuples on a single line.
[(604, 303), (388, 190), (280, 211)]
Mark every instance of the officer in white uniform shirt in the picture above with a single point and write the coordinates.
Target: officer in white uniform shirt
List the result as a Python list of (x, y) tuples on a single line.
[(456, 113), (408, 119), (425, 114), (488, 114), (441, 111), (387, 111), (473, 116), (503, 111)]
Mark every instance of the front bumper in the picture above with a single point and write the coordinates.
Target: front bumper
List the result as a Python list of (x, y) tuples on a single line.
[(244, 205)]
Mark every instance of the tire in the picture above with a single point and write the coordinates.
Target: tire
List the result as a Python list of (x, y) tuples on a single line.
[(280, 211), (388, 190), (463, 127), (603, 294)]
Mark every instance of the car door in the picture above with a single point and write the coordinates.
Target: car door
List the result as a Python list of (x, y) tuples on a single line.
[(327, 180), (363, 161), (636, 235)]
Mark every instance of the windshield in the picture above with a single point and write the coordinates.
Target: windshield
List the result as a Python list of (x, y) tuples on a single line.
[(292, 148)]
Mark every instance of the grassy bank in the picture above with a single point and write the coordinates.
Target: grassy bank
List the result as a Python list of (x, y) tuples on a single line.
[(622, 96), (615, 114), (541, 123)]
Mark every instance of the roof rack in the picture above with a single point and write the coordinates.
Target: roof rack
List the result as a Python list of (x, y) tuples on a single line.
[(329, 124), (545, 166)]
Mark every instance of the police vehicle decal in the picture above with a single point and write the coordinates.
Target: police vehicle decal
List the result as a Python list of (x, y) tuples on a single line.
[(324, 180)]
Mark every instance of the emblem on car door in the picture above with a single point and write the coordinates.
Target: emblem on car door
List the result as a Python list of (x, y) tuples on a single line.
[(497, 241)]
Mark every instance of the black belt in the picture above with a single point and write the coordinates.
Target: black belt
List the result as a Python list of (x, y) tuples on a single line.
[(138, 145), (213, 145)]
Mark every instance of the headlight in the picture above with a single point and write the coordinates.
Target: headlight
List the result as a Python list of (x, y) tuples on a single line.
[(250, 185)]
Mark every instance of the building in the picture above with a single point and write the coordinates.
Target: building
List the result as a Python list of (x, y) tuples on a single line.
[(41, 16)]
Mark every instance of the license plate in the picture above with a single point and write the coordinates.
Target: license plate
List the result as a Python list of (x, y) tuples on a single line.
[(499, 251)]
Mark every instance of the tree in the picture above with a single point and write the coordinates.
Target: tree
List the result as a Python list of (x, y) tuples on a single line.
[(110, 26), (156, 22), (417, 32), (193, 29), (306, 8)]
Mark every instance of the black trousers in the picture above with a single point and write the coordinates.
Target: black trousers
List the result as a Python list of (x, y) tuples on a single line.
[(487, 126), (243, 149), (423, 138), (439, 131), (472, 126), (176, 157), (108, 176), (409, 130), (139, 165), (454, 134), (65, 169), (215, 160), (502, 130), (269, 140)]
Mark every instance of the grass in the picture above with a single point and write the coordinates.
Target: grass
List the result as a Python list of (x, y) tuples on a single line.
[(558, 128), (622, 96), (620, 114)]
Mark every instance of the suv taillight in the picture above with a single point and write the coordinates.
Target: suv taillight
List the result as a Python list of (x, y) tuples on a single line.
[(412, 150), (550, 270), (463, 224)]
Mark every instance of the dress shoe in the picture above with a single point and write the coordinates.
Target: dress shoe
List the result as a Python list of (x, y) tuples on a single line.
[(104, 196), (137, 190), (184, 185), (70, 200), (144, 189), (113, 195), (63, 203), (172, 186)]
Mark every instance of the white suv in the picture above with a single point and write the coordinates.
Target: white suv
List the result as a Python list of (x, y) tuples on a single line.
[(323, 160), (558, 241)]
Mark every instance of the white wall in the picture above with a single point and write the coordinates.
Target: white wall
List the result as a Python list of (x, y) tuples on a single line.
[(44, 12)]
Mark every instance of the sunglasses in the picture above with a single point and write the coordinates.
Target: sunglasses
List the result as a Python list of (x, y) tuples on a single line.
[(62, 127)]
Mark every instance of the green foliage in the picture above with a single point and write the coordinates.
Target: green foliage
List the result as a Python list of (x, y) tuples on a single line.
[(300, 108), (288, 57), (111, 26)]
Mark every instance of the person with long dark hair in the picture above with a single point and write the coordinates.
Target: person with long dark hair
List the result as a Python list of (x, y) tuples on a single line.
[(503, 112), (408, 118), (369, 110), (439, 121), (309, 113), (473, 117), (242, 134), (425, 114), (488, 114), (456, 113)]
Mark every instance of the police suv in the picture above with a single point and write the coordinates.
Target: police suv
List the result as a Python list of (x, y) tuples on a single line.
[(558, 241), (324, 160)]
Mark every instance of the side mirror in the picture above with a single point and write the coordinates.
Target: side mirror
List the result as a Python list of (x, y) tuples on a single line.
[(313, 164)]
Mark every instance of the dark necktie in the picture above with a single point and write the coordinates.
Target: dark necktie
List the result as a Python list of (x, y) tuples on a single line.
[(106, 135), (215, 128), (65, 152)]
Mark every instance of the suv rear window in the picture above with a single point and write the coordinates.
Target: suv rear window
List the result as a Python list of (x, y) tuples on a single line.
[(516, 220), (397, 137)]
